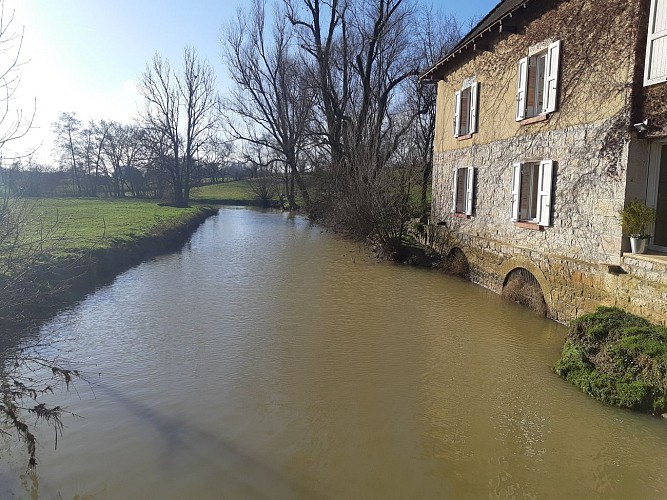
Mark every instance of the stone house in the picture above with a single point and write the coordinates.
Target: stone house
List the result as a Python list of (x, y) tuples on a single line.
[(551, 115)]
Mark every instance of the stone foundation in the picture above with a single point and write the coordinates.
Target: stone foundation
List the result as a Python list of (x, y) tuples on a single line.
[(571, 287)]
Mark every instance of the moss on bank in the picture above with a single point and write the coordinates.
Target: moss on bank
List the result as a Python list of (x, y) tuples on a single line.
[(618, 358)]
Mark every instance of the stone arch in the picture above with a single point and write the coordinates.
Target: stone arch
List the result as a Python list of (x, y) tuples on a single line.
[(456, 263), (522, 286)]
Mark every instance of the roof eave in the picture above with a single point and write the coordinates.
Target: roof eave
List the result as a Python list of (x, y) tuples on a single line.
[(431, 75)]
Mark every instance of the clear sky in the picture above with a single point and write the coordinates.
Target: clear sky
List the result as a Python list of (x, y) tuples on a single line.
[(86, 55)]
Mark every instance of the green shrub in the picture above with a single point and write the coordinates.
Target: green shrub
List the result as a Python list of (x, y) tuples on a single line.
[(635, 219)]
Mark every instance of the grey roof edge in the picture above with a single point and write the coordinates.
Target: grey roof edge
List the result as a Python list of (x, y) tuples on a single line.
[(503, 10)]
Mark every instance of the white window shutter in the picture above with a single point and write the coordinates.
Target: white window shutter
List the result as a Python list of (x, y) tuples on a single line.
[(470, 186), (457, 114), (655, 66), (474, 89), (521, 89), (551, 80), (454, 185), (544, 193), (516, 185)]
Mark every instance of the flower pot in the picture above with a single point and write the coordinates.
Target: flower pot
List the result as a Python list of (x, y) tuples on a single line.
[(638, 245)]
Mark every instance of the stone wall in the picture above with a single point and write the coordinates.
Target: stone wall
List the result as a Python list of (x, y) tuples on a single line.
[(571, 287), (588, 191)]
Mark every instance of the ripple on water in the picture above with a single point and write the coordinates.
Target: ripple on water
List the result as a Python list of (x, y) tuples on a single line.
[(271, 359)]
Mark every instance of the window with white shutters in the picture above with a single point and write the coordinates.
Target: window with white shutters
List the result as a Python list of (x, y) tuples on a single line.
[(537, 82), (462, 190), (465, 110), (655, 66), (531, 192)]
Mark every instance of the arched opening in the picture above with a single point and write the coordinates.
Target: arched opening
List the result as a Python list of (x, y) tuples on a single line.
[(523, 288), (456, 263)]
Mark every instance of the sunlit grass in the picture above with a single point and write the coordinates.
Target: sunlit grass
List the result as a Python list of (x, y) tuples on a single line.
[(225, 192), (74, 225)]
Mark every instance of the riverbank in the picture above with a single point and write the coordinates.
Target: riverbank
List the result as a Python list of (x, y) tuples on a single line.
[(236, 193), (618, 358), (68, 246)]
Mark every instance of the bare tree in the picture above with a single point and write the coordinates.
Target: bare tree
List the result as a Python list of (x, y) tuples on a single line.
[(14, 123), (67, 146), (20, 250), (180, 110), (270, 98), (438, 34), (93, 138), (264, 182), (123, 148), (322, 32)]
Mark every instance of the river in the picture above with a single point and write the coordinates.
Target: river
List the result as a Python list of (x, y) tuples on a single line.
[(271, 359)]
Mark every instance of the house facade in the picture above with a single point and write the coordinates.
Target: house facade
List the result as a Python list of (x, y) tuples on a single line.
[(551, 115)]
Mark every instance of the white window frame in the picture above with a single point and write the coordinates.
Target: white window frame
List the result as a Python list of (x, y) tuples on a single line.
[(550, 84), (470, 186), (657, 7), (472, 111), (542, 197)]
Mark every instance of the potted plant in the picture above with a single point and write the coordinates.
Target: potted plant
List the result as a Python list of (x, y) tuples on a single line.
[(635, 219)]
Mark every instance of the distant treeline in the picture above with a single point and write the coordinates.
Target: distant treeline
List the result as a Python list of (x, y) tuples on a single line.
[(35, 180)]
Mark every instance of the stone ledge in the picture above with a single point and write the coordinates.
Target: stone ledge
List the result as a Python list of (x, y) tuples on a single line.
[(651, 267), (655, 261)]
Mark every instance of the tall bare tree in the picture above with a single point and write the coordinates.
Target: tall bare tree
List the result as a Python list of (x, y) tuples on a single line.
[(322, 31), (180, 110), (68, 148), (14, 122), (270, 104), (438, 34), (93, 138)]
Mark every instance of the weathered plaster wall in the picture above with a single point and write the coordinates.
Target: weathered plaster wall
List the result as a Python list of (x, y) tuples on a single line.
[(597, 69), (653, 108)]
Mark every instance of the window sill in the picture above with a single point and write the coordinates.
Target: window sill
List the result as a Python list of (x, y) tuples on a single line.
[(533, 226), (535, 119), (459, 215), (654, 81), (464, 137)]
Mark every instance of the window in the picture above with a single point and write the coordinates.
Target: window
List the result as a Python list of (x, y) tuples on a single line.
[(531, 192), (537, 82), (465, 109), (655, 67), (462, 190)]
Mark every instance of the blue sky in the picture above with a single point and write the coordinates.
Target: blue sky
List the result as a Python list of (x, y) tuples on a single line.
[(86, 55)]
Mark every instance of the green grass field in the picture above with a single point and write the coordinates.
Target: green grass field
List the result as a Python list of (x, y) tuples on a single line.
[(224, 193), (71, 225)]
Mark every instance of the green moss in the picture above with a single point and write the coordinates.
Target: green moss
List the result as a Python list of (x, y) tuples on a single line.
[(618, 358)]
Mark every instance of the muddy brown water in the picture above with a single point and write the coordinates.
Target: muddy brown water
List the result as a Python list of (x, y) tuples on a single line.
[(271, 359)]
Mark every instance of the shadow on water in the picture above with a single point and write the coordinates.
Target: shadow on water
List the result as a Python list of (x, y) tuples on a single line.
[(254, 478)]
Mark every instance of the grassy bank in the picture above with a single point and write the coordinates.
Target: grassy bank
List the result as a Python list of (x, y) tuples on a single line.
[(226, 193), (618, 358), (66, 246)]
